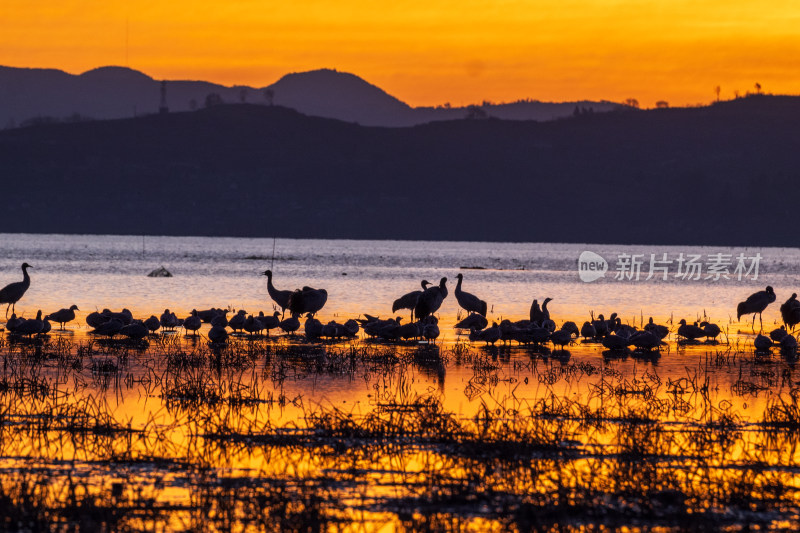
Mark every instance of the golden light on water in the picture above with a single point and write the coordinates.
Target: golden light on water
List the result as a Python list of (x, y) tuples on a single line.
[(429, 53)]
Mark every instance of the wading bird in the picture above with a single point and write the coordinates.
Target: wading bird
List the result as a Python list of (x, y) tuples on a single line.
[(409, 300), (431, 300), (279, 297), (755, 305), (62, 316), (690, 331), (13, 292), (790, 312), (307, 300), (469, 302), (540, 315)]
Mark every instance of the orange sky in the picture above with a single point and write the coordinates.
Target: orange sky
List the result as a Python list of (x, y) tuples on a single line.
[(429, 52)]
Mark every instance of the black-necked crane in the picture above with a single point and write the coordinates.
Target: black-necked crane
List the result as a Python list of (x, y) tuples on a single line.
[(409, 300), (755, 305), (307, 301), (279, 297), (468, 302), (431, 300), (13, 292), (538, 314)]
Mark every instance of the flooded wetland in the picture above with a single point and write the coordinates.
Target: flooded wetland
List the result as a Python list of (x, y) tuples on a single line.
[(285, 432)]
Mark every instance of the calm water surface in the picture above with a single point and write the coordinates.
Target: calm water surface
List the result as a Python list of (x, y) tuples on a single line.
[(96, 272)]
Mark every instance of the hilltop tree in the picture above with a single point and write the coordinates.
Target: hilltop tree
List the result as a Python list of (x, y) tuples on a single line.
[(662, 104), (476, 112), (758, 88), (213, 99), (717, 90), (631, 102)]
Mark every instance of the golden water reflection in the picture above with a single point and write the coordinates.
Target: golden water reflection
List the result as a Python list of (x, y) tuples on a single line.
[(278, 433)]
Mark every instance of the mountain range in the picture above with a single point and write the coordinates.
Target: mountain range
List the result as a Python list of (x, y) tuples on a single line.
[(725, 174), (38, 95)]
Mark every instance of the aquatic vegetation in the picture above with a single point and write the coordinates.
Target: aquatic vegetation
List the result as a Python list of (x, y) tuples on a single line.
[(180, 434)]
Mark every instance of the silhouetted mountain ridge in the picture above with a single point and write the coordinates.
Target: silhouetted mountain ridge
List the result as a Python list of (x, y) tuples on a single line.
[(721, 175), (120, 92)]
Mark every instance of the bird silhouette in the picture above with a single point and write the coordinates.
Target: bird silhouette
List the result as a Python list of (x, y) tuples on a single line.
[(313, 328), (409, 300), (290, 325), (237, 321), (790, 312), (192, 322), (431, 300), (778, 334), (657, 329), (788, 345), (218, 334), (588, 331), (62, 316), (473, 321), (269, 321), (152, 323), (279, 297), (712, 330), (755, 305), (136, 330), (168, 320), (537, 314), (489, 335), (762, 343), (307, 301), (13, 292), (469, 302), (645, 340), (690, 331), (31, 326)]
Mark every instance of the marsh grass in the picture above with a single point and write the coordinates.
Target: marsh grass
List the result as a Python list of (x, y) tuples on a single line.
[(551, 443)]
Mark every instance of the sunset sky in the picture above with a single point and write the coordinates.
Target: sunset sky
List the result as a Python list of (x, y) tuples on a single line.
[(429, 52)]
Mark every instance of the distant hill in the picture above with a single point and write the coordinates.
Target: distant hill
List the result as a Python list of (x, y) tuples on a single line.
[(36, 95), (726, 174)]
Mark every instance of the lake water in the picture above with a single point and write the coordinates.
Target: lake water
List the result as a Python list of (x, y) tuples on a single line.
[(183, 421), (107, 271)]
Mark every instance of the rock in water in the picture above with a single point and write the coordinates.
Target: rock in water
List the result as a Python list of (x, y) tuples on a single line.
[(160, 273)]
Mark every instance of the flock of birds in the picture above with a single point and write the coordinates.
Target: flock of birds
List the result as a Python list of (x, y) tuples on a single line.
[(538, 329)]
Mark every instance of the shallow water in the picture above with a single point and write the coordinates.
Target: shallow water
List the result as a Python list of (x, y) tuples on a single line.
[(179, 398), (95, 272)]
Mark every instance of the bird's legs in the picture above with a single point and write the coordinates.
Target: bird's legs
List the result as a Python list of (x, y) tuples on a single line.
[(761, 321), (9, 305)]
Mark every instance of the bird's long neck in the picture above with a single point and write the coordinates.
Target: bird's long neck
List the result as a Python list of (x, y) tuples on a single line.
[(458, 285), (26, 279), (270, 287)]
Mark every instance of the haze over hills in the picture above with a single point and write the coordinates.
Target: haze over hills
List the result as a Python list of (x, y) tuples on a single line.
[(722, 175), (118, 92)]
